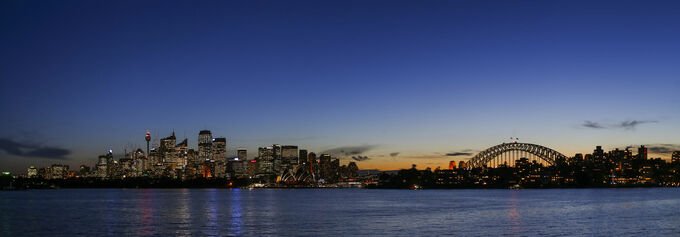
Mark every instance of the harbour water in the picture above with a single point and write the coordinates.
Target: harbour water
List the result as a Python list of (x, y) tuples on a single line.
[(340, 212)]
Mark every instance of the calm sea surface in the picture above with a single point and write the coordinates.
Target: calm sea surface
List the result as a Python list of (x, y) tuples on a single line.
[(317, 212)]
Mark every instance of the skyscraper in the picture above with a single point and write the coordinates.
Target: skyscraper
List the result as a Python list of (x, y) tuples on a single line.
[(675, 158), (219, 149), (167, 150), (302, 158), (311, 162), (204, 145), (242, 154), (289, 154)]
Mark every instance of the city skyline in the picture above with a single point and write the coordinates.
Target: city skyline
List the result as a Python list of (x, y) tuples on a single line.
[(400, 82)]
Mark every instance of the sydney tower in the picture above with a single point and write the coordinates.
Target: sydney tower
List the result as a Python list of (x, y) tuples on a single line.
[(147, 138)]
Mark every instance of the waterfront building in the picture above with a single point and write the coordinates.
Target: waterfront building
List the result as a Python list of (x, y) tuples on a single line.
[(32, 172)]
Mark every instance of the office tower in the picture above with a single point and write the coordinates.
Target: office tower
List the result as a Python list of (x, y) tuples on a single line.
[(242, 154), (32, 172), (167, 150), (324, 166), (265, 160), (219, 149), (181, 154), (311, 162), (642, 153), (302, 158), (289, 154), (675, 158), (277, 151), (204, 146), (598, 155), (265, 153), (353, 169), (220, 157)]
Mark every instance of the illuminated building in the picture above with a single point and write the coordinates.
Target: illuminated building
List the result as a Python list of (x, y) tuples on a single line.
[(220, 156), (242, 154), (265, 153), (452, 164), (289, 154), (168, 152), (642, 153), (311, 162), (462, 164), (59, 171), (675, 158), (598, 155), (204, 146), (324, 166), (302, 158), (219, 149), (32, 172), (182, 154)]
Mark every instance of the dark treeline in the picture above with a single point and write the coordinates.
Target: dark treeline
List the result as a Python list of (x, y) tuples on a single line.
[(525, 174)]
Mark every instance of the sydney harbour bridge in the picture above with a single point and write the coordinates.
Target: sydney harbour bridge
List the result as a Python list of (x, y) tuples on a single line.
[(507, 153)]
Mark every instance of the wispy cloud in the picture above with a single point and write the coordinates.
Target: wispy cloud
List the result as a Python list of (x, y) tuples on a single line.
[(349, 150), (626, 125), (394, 154), (591, 124), (33, 150), (360, 158), (631, 124), (459, 154), (663, 148)]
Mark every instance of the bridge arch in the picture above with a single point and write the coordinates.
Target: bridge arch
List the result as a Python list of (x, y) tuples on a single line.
[(516, 150)]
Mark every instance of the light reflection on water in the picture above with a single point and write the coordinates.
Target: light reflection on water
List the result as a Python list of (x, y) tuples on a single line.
[(314, 212)]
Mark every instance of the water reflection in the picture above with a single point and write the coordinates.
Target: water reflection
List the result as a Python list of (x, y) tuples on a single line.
[(212, 224), (623, 212), (235, 207), (513, 212), (147, 212), (183, 213)]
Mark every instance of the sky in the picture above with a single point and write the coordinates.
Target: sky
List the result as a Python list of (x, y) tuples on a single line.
[(399, 82)]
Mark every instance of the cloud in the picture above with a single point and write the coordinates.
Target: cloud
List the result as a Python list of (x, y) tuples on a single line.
[(626, 125), (631, 124), (394, 154), (349, 150), (591, 124), (459, 154), (663, 148), (360, 158), (32, 150)]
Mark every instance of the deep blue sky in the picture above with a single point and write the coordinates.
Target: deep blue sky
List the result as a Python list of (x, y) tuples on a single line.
[(422, 78)]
